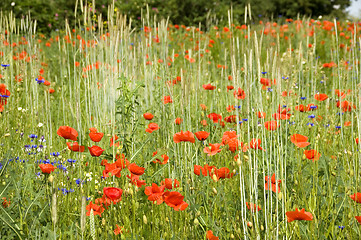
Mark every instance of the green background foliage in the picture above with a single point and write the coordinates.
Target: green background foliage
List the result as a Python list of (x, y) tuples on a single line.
[(50, 15)]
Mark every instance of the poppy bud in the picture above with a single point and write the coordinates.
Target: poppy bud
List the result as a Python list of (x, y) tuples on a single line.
[(196, 222), (51, 178), (249, 224), (145, 219), (262, 228), (214, 190), (231, 236)]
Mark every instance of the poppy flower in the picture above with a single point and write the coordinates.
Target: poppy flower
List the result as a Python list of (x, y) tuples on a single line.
[(204, 107), (118, 229), (6, 203), (299, 140), (167, 99), (175, 201), (134, 179), (261, 114), (298, 215), (213, 149), (253, 207), (231, 119), (230, 108), (51, 90), (148, 116), (97, 210), (312, 154), (271, 125), (114, 138), (67, 133), (230, 87), (95, 136), (168, 183), (321, 97), (214, 117), (356, 197), (256, 144), (155, 193), (239, 94), (152, 127), (301, 108), (208, 87), (47, 168), (113, 193), (113, 169), (357, 141), (164, 160), (74, 146), (223, 172), (95, 151), (210, 236), (178, 121), (183, 137), (202, 135), (103, 201), (199, 169), (272, 184), (135, 169), (358, 218)]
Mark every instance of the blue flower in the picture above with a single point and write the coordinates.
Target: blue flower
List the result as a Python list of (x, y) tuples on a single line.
[(263, 73), (5, 65), (303, 98), (311, 116), (338, 127), (71, 160), (310, 124), (285, 78)]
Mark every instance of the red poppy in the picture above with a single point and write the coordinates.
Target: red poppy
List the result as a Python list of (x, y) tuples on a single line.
[(134, 179), (272, 184), (239, 94), (358, 218), (210, 236), (312, 154), (271, 125), (183, 137), (199, 169), (47, 168), (178, 121), (155, 193), (67, 133), (301, 108), (114, 138), (298, 215), (253, 207), (202, 135), (95, 136), (167, 99), (321, 97), (299, 140), (6, 203), (356, 197), (95, 151), (113, 193), (164, 160), (213, 149), (148, 116), (256, 144), (214, 117), (208, 87), (152, 127), (118, 229), (175, 201), (74, 146), (135, 169), (230, 87), (346, 106), (231, 119), (261, 114), (113, 169), (168, 182), (97, 210), (227, 135), (204, 107), (223, 172), (357, 141)]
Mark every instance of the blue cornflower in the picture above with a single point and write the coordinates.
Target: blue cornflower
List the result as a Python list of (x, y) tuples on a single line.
[(303, 98), (240, 122), (269, 90), (313, 107), (263, 73), (341, 227), (71, 160), (39, 80), (5, 65), (340, 113), (310, 124), (33, 136), (78, 181), (312, 116), (338, 127), (245, 119), (38, 174), (55, 154), (285, 78), (1, 165)]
